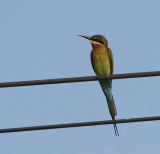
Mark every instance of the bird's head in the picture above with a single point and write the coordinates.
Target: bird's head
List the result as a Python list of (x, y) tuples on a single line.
[(96, 40)]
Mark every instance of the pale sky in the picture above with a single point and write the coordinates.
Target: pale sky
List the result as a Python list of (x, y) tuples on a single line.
[(38, 40)]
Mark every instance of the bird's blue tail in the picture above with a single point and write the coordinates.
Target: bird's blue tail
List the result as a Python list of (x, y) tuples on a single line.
[(107, 89)]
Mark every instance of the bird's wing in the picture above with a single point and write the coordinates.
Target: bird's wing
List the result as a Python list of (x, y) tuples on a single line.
[(111, 60)]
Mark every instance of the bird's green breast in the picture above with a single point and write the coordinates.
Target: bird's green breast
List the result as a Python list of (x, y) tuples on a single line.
[(100, 61)]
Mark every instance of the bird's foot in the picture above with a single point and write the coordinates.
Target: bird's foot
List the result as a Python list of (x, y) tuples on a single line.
[(106, 75)]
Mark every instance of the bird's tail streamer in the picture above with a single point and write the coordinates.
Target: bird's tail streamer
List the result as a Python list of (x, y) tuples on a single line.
[(115, 128), (113, 113)]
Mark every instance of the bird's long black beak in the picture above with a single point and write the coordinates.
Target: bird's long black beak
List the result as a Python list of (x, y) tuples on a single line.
[(87, 37)]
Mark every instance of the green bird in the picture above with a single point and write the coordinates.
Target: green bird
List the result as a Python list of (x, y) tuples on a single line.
[(103, 64)]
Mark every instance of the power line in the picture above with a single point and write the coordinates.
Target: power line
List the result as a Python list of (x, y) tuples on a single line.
[(69, 125), (78, 79)]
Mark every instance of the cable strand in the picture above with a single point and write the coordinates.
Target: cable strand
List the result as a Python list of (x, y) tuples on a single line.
[(82, 124)]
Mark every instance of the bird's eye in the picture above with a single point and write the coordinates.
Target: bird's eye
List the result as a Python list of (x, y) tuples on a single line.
[(101, 42)]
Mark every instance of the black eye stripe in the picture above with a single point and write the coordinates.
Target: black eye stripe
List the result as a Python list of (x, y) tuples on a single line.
[(99, 41)]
